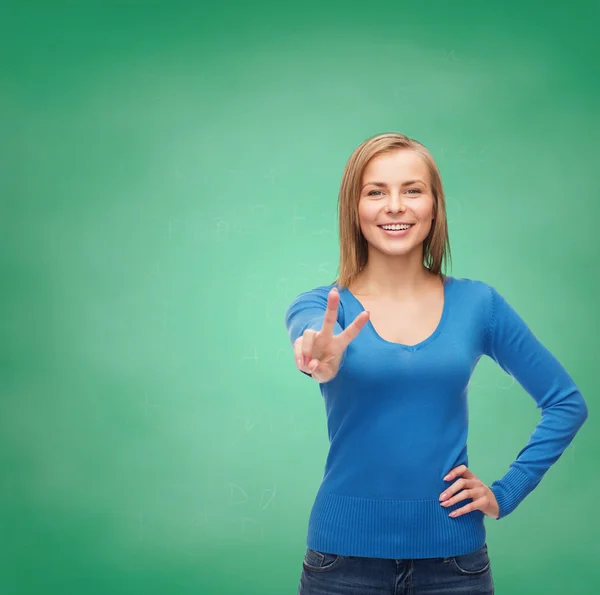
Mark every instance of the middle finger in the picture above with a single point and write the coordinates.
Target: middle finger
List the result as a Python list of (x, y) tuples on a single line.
[(459, 497), (459, 484)]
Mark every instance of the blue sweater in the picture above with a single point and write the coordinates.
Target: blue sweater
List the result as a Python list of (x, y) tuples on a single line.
[(397, 420)]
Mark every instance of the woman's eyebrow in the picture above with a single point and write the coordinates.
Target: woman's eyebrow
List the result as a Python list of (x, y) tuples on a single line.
[(407, 183)]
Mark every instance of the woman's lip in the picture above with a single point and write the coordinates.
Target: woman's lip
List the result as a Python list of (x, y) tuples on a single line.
[(398, 233)]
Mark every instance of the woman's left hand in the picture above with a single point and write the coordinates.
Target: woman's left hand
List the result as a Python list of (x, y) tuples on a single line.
[(471, 487)]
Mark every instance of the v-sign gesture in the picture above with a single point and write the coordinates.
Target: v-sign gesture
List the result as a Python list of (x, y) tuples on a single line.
[(319, 353)]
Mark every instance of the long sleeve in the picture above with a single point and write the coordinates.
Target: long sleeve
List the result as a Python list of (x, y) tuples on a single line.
[(514, 347), (307, 311)]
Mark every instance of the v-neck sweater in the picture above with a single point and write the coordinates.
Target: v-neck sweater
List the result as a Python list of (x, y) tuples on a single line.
[(397, 422)]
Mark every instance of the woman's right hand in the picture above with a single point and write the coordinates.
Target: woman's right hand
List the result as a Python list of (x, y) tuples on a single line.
[(319, 353)]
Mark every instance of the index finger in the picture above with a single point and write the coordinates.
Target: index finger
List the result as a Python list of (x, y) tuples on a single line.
[(456, 471), (333, 301)]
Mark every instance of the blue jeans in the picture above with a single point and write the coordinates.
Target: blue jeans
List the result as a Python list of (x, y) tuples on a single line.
[(331, 574)]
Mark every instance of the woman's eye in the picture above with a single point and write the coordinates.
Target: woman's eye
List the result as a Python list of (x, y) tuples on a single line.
[(411, 189)]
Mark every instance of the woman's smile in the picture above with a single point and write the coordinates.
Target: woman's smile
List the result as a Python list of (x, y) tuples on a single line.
[(396, 233)]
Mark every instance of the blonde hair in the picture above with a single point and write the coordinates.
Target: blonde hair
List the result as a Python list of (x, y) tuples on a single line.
[(353, 245)]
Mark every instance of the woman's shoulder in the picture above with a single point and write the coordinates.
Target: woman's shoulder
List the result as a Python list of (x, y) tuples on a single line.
[(472, 287), (317, 291), (314, 297), (468, 281)]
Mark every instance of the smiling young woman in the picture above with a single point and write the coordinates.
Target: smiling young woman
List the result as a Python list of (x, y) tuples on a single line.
[(393, 343)]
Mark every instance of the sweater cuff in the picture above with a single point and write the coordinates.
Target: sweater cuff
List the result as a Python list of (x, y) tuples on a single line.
[(511, 490)]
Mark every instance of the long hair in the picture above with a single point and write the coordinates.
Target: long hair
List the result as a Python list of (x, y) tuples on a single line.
[(353, 245)]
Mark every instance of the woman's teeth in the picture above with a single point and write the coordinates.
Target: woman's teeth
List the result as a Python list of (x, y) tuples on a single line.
[(395, 227)]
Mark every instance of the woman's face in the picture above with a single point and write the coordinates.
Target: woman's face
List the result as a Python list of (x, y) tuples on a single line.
[(403, 196)]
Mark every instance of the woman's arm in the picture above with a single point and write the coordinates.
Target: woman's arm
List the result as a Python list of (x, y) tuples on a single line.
[(514, 347)]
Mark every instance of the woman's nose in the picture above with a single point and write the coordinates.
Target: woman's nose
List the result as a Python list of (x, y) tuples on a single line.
[(395, 203)]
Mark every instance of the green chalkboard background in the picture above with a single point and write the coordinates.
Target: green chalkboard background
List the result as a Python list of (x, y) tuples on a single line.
[(169, 175)]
